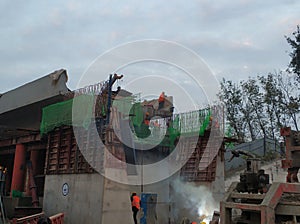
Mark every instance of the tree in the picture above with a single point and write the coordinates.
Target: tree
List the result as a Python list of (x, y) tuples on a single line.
[(259, 107), (253, 92), (272, 98), (230, 95), (290, 100), (294, 41)]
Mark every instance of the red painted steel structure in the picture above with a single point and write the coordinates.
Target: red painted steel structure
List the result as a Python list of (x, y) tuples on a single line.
[(292, 151), (57, 219), (19, 168), (267, 206)]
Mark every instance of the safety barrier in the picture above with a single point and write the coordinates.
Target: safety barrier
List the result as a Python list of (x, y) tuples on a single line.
[(58, 218), (33, 219)]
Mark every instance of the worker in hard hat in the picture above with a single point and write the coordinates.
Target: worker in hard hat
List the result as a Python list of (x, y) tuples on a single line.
[(161, 100), (135, 205)]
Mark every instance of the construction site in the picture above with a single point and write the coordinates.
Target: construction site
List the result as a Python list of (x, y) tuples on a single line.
[(76, 156)]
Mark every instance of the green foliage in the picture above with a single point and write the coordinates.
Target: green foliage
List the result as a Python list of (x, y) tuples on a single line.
[(259, 107), (294, 41)]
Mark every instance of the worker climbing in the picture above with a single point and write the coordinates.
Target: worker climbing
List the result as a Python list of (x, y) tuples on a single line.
[(135, 205)]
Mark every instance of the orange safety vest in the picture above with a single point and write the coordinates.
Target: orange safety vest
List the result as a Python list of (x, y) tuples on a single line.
[(136, 202), (147, 122), (161, 98)]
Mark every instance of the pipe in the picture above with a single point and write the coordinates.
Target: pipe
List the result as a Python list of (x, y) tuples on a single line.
[(32, 185)]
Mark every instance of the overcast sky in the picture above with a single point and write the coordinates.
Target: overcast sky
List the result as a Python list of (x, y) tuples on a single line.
[(236, 39)]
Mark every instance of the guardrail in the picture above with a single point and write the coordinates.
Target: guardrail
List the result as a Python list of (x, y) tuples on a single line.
[(58, 218), (33, 219)]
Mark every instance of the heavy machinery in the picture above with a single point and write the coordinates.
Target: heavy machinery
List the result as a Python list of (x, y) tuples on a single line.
[(253, 200), (253, 179)]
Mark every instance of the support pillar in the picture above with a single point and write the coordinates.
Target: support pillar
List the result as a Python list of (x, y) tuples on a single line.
[(34, 156), (19, 168)]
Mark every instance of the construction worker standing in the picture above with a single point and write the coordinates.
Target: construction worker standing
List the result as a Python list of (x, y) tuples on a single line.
[(135, 204), (161, 100)]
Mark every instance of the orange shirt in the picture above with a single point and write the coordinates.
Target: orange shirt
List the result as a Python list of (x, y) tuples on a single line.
[(136, 202), (161, 98), (147, 122)]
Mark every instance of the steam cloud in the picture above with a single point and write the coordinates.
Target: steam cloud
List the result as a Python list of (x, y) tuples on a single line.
[(194, 201)]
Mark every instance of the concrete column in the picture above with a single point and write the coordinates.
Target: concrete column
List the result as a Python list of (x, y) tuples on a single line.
[(17, 182)]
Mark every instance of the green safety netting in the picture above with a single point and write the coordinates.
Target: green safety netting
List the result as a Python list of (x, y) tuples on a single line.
[(81, 112), (124, 104), (188, 124), (192, 123), (138, 114), (77, 112)]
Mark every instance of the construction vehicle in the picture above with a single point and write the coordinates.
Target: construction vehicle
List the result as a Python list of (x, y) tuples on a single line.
[(253, 200)]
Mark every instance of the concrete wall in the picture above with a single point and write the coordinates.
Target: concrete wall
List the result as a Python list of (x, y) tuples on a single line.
[(116, 199), (94, 199), (162, 189), (218, 186), (83, 204)]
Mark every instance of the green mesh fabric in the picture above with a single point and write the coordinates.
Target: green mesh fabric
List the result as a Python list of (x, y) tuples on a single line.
[(63, 113), (124, 104), (138, 115), (206, 120), (192, 123)]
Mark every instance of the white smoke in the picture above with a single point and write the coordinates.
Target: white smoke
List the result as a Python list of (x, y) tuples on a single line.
[(198, 200)]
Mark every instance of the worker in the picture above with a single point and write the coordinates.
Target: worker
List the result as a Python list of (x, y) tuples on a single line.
[(161, 100), (147, 119), (135, 204)]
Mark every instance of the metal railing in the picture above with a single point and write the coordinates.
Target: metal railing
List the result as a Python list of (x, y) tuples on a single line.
[(33, 219)]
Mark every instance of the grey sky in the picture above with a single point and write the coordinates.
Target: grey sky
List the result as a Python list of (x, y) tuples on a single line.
[(237, 39)]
